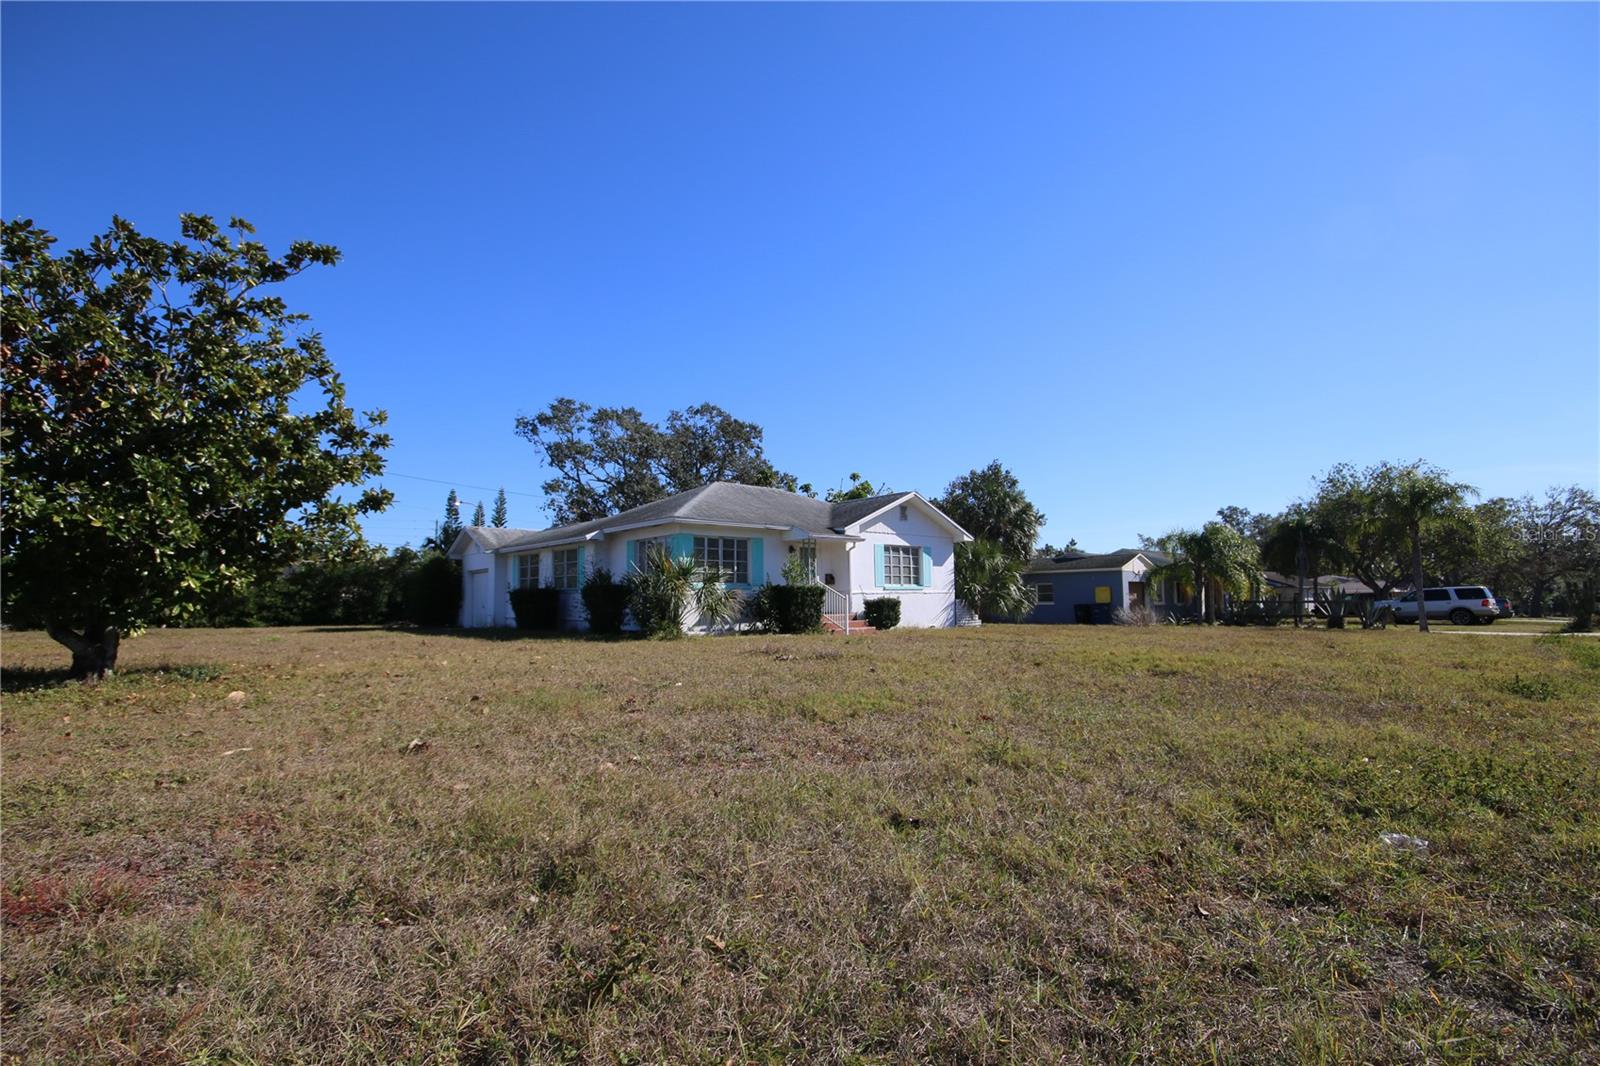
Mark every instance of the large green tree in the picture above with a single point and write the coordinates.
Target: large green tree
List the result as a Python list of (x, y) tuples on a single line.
[(610, 459), (990, 504), (1559, 538), (449, 528), (1381, 519), (172, 431)]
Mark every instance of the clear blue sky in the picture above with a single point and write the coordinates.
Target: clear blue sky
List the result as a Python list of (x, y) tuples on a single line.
[(1154, 258)]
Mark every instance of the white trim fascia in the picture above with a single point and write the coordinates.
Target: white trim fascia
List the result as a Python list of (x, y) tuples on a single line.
[(1079, 570), (524, 547), (466, 533)]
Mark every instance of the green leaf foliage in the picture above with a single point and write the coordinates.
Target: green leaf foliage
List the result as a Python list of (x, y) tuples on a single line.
[(882, 612), (605, 601), (172, 428), (1211, 561), (990, 504), (989, 580), (609, 459)]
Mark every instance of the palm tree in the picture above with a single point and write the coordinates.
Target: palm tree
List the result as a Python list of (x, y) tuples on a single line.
[(1418, 495), (990, 582), (1215, 557), (1296, 540), (663, 589)]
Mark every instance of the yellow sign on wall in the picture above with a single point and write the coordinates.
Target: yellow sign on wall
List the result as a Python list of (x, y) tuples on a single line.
[(1102, 594)]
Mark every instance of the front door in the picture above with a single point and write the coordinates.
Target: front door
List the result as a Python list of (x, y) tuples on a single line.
[(807, 553), (1136, 594)]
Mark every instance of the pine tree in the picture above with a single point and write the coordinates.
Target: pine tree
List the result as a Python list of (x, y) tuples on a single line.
[(450, 528), (477, 515), (497, 518)]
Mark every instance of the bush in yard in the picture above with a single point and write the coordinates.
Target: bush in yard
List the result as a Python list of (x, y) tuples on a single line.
[(796, 608), (1137, 615), (433, 593), (759, 610), (883, 612), (664, 589), (537, 607), (605, 601)]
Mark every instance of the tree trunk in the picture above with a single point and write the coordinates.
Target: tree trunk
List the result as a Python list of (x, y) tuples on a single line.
[(1300, 566), (94, 651), (1583, 610), (1536, 609), (1417, 579)]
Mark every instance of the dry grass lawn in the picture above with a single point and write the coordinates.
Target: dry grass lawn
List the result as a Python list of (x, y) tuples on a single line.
[(1019, 844)]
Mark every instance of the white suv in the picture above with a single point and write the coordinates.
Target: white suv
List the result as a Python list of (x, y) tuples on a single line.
[(1462, 604)]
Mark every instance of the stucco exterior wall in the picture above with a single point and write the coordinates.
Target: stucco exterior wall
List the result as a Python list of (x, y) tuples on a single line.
[(933, 605), (930, 606), (1074, 587)]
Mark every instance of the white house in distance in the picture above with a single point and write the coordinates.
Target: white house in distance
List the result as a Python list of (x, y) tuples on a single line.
[(896, 545)]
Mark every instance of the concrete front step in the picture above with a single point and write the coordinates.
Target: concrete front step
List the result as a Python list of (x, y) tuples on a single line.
[(831, 625)]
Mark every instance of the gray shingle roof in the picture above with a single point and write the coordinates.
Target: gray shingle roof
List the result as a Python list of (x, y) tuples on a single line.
[(848, 511), (1083, 561), (492, 537), (725, 502)]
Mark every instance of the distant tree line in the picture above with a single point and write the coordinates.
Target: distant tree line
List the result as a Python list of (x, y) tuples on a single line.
[(1394, 525)]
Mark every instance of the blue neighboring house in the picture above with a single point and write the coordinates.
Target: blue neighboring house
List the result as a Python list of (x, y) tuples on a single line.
[(1085, 588)]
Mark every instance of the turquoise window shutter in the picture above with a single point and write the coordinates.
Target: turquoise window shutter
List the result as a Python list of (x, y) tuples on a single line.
[(633, 555), (925, 571), (581, 553), (681, 545), (758, 574), (877, 564)]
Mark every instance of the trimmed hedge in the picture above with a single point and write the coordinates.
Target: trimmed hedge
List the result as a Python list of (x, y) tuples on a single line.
[(433, 592), (537, 608), (605, 601), (883, 612), (793, 608)]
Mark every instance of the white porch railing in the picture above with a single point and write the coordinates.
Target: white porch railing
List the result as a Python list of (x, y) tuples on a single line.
[(835, 607)]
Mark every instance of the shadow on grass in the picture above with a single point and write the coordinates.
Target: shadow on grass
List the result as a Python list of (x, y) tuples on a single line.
[(508, 633), (32, 678)]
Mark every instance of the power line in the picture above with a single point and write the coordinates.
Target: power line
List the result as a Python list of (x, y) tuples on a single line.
[(464, 485)]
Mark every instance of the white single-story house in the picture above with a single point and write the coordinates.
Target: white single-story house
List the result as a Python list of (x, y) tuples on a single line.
[(897, 544)]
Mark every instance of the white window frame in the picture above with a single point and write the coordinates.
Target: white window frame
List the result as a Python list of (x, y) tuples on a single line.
[(564, 564), (902, 566), (642, 548), (724, 554), (526, 575)]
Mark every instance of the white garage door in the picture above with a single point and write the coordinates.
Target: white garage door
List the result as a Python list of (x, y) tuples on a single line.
[(478, 608)]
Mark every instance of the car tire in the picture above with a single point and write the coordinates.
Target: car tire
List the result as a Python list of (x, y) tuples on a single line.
[(1487, 620), (1461, 617)]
